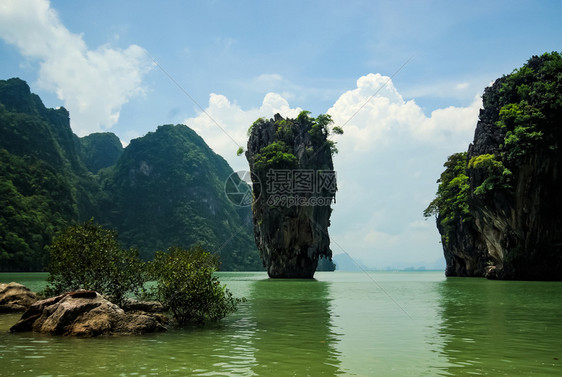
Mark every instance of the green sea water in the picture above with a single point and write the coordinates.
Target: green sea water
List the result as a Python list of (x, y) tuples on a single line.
[(349, 324)]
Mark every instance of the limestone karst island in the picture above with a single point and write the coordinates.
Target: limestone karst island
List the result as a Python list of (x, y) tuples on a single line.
[(498, 204), (294, 185)]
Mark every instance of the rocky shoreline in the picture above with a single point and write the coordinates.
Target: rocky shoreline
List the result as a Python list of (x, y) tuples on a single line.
[(80, 313)]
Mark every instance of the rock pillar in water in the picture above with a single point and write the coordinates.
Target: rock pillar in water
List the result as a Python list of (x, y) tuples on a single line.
[(294, 185)]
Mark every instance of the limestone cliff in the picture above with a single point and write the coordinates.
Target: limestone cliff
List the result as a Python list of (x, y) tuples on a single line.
[(293, 187), (518, 221), (500, 216)]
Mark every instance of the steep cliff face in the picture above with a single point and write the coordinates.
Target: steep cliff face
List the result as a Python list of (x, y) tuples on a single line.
[(465, 254), (293, 186), (520, 224), (511, 229), (518, 217)]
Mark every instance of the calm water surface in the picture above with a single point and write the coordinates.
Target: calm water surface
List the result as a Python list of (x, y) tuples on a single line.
[(350, 324)]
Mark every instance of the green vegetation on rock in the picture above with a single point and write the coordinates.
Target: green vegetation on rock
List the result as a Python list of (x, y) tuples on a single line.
[(450, 204), (280, 153), (497, 175), (276, 155)]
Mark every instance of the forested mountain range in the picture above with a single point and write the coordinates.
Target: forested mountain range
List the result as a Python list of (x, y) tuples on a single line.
[(164, 189)]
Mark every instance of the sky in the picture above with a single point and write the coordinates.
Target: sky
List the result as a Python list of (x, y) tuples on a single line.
[(403, 79)]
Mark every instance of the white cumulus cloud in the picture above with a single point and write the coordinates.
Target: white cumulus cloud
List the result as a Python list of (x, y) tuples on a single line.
[(391, 154), (94, 84), (375, 114)]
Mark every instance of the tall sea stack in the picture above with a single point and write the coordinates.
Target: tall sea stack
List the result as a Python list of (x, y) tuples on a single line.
[(294, 184)]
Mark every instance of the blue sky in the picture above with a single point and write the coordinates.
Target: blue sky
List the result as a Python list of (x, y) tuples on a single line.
[(240, 60)]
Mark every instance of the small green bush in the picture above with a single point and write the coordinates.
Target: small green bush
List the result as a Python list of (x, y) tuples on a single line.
[(497, 175), (186, 285), (87, 256), (276, 155), (337, 130)]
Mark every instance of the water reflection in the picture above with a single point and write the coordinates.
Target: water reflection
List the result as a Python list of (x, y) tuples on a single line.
[(294, 333), (285, 328), (341, 324), (500, 328)]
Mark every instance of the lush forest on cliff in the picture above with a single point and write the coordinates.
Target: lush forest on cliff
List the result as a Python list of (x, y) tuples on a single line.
[(498, 205), (165, 189)]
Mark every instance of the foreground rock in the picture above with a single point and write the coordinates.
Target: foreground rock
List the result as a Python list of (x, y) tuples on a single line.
[(294, 185), (136, 306), (15, 297), (85, 313)]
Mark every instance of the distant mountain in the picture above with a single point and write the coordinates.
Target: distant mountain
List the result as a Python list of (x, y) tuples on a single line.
[(43, 184), (164, 189), (168, 189), (344, 262)]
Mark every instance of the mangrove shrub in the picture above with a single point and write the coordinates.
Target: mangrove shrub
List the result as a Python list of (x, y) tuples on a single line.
[(186, 285), (87, 256)]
